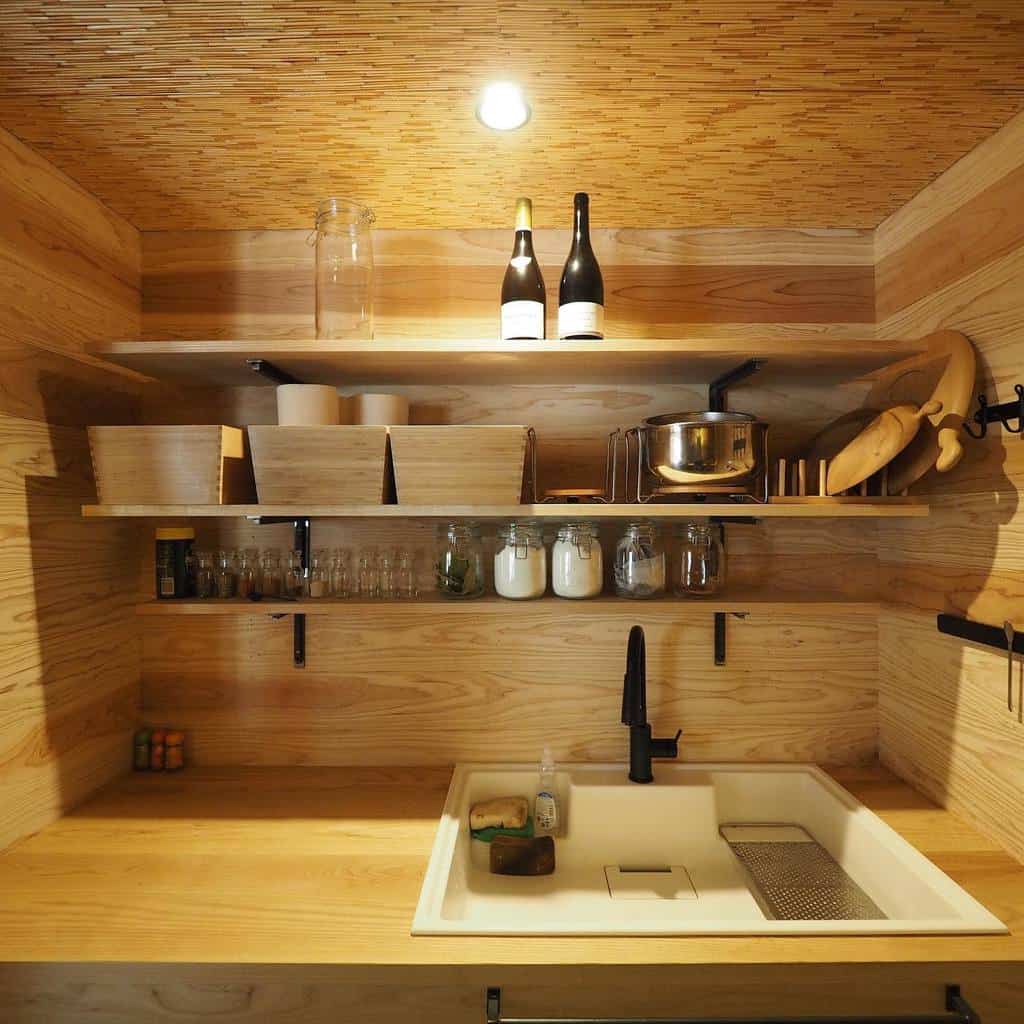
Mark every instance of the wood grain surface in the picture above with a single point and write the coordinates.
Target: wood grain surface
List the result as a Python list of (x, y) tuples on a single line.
[(69, 653), (205, 115), (322, 867), (944, 722), (658, 283)]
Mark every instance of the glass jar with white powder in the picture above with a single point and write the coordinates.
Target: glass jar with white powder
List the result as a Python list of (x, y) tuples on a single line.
[(577, 567), (520, 562)]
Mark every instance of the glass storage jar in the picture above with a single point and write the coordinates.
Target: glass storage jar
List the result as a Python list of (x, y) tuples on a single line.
[(319, 575), (460, 561), (271, 577), (249, 572), (344, 269), (640, 562), (520, 562), (206, 574), (701, 560), (577, 565)]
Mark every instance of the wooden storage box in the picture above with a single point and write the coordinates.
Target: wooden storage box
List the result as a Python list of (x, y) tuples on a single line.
[(474, 465), (322, 465), (172, 465)]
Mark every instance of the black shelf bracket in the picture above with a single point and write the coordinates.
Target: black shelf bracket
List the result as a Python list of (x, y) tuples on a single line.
[(301, 543), (267, 369), (1001, 414), (979, 633), (720, 634), (957, 1011), (719, 386)]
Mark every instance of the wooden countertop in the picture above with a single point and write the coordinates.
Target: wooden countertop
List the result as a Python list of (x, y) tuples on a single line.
[(324, 865)]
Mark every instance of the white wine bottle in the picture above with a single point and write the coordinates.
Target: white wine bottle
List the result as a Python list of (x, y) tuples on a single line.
[(523, 303), (581, 290)]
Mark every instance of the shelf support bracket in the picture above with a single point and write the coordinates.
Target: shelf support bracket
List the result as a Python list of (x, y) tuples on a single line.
[(301, 543), (267, 369), (720, 634), (719, 386)]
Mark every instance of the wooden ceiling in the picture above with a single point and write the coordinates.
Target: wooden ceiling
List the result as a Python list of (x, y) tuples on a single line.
[(210, 114)]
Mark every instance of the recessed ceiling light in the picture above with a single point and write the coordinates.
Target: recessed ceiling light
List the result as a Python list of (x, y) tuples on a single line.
[(502, 107)]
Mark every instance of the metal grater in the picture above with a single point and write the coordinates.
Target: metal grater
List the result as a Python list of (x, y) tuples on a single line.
[(795, 878)]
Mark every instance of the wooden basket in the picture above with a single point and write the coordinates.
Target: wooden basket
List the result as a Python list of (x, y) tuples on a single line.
[(454, 465), (171, 465), (322, 465)]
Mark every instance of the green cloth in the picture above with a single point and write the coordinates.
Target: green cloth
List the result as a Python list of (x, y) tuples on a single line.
[(486, 835)]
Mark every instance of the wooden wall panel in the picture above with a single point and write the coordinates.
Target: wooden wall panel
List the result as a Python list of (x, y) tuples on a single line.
[(433, 684), (954, 257), (259, 284), (69, 659)]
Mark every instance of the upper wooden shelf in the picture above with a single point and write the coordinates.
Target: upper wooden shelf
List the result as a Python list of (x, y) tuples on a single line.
[(459, 361), (847, 508)]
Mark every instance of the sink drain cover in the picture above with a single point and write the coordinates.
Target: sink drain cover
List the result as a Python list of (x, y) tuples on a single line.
[(671, 882), (795, 877)]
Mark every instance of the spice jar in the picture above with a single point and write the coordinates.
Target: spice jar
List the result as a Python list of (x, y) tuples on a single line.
[(227, 575), (295, 577), (640, 562), (460, 561), (271, 580), (340, 573), (206, 574), (174, 566), (701, 561), (319, 575), (174, 751), (157, 750), (577, 566), (521, 562), (249, 572)]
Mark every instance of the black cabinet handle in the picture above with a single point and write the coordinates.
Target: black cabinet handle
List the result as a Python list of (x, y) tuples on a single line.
[(958, 1011)]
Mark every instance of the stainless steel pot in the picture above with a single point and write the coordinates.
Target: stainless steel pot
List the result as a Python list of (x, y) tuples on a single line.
[(705, 448)]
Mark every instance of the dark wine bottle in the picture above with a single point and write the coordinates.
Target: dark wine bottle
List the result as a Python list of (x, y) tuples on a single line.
[(523, 303), (581, 290)]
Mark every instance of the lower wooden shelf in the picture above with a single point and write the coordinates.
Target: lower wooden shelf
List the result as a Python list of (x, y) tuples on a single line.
[(731, 601), (786, 508)]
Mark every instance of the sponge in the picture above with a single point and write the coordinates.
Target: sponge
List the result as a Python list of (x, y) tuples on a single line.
[(486, 835), (499, 812)]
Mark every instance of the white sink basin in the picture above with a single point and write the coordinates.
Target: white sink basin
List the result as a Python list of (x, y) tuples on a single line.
[(650, 860)]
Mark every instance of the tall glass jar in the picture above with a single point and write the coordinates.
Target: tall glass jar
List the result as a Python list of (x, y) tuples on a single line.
[(640, 562), (249, 572), (271, 577), (344, 269), (460, 561), (520, 562), (701, 560), (577, 565)]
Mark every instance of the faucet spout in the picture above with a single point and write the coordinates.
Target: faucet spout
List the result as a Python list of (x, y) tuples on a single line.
[(642, 746)]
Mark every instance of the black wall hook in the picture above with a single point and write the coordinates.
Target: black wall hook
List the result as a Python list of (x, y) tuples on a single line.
[(1001, 414)]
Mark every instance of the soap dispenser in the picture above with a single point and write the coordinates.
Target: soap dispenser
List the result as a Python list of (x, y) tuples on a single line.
[(547, 808)]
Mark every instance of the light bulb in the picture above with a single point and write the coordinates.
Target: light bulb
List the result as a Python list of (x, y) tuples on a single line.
[(502, 107)]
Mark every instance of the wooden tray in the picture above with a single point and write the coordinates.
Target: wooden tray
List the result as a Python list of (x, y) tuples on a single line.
[(171, 465), (338, 465), (455, 465)]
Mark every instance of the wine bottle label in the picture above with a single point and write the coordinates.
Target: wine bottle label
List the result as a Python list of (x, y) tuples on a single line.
[(577, 319), (522, 318)]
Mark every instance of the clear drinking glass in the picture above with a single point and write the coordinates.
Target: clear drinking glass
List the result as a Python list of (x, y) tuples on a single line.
[(344, 269), (701, 561), (640, 562), (368, 576)]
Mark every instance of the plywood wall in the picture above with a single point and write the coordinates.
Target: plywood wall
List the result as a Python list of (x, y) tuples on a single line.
[(954, 257), (69, 658)]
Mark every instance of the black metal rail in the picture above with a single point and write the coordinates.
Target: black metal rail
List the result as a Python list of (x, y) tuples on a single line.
[(979, 633), (958, 1011)]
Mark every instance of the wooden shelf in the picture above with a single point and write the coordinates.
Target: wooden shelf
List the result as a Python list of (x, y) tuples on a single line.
[(489, 361), (731, 601), (788, 508)]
